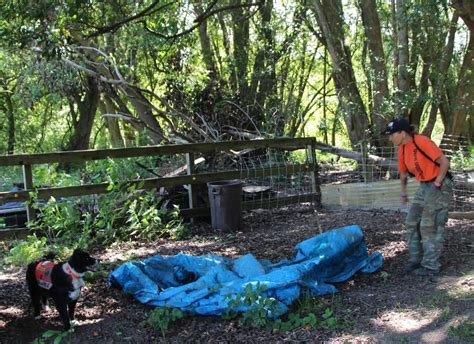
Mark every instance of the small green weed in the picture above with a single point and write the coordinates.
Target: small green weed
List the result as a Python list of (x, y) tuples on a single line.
[(384, 275), (27, 251), (295, 321), (463, 159), (464, 330), (161, 319), (440, 299), (33, 248), (258, 309), (52, 335)]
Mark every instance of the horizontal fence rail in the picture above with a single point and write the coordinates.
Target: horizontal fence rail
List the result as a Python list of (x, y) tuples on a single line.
[(100, 154), (190, 179)]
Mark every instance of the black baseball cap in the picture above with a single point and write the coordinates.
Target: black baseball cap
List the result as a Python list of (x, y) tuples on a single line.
[(398, 124)]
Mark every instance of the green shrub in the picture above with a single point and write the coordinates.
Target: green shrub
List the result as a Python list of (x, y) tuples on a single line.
[(32, 248), (462, 159), (464, 331), (53, 336), (132, 214), (259, 310), (161, 318), (27, 251), (125, 213)]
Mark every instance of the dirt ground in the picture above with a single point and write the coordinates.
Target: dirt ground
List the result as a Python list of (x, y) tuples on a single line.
[(387, 306)]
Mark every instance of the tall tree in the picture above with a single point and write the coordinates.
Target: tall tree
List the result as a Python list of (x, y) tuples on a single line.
[(373, 35), (329, 16), (462, 126)]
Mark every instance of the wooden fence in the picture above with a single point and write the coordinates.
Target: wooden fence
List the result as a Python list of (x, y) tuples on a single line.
[(27, 161)]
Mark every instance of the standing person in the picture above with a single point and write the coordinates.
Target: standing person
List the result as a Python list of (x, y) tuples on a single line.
[(428, 213)]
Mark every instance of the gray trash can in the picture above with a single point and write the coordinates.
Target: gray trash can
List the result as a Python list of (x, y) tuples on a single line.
[(225, 198)]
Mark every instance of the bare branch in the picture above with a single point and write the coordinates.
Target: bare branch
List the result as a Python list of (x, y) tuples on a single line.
[(206, 14), (114, 27)]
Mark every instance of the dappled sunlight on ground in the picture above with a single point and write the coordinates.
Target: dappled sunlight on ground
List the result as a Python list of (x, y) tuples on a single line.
[(405, 321), (387, 306)]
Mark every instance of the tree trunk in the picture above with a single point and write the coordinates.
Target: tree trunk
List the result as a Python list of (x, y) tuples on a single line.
[(240, 27), (403, 54), (87, 108), (329, 17), (144, 110), (438, 76), (107, 108), (11, 124), (266, 73), (463, 108), (371, 22), (206, 47), (394, 44), (141, 104)]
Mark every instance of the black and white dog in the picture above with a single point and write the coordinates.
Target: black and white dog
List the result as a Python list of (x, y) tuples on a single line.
[(60, 281)]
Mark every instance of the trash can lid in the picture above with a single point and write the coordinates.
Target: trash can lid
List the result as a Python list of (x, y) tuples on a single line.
[(221, 183)]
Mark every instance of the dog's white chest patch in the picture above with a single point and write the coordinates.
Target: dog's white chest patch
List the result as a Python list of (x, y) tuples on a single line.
[(77, 283)]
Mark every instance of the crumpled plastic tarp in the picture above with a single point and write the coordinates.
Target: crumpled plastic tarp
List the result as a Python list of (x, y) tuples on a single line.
[(206, 284)]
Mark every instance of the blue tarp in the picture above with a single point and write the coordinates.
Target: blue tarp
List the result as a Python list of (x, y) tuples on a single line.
[(206, 284)]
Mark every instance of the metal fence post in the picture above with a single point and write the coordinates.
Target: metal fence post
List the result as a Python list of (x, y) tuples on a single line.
[(365, 161), (315, 187), (192, 197), (28, 182)]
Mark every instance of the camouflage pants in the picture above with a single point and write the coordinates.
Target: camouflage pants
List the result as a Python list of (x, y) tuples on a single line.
[(425, 223)]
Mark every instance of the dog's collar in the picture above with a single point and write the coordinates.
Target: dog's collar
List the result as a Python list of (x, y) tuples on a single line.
[(70, 271)]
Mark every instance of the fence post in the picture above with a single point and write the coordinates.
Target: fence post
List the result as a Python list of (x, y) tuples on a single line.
[(191, 188), (28, 183), (315, 187), (365, 161)]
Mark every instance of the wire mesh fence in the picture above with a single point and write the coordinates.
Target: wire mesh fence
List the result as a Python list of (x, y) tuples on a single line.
[(364, 184), (292, 183), (369, 185)]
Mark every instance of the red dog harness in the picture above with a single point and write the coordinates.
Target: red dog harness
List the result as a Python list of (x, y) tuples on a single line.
[(45, 268), (43, 274), (70, 271)]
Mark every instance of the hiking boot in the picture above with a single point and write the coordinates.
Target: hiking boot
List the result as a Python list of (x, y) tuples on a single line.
[(422, 271), (411, 267)]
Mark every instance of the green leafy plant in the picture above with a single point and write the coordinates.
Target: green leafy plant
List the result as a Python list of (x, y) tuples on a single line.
[(258, 309), (130, 213), (126, 213), (384, 275), (27, 251), (314, 312), (463, 159), (464, 330), (295, 321), (57, 219), (329, 320), (161, 319), (54, 335)]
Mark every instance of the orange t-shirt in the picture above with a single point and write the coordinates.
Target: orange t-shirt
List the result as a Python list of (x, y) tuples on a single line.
[(410, 159)]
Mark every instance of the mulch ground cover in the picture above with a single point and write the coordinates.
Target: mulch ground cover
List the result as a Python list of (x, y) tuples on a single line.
[(386, 306)]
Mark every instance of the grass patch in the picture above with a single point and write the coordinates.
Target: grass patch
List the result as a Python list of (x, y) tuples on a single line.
[(464, 330)]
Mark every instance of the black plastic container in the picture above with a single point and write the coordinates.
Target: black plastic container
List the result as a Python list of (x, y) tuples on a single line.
[(225, 199)]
